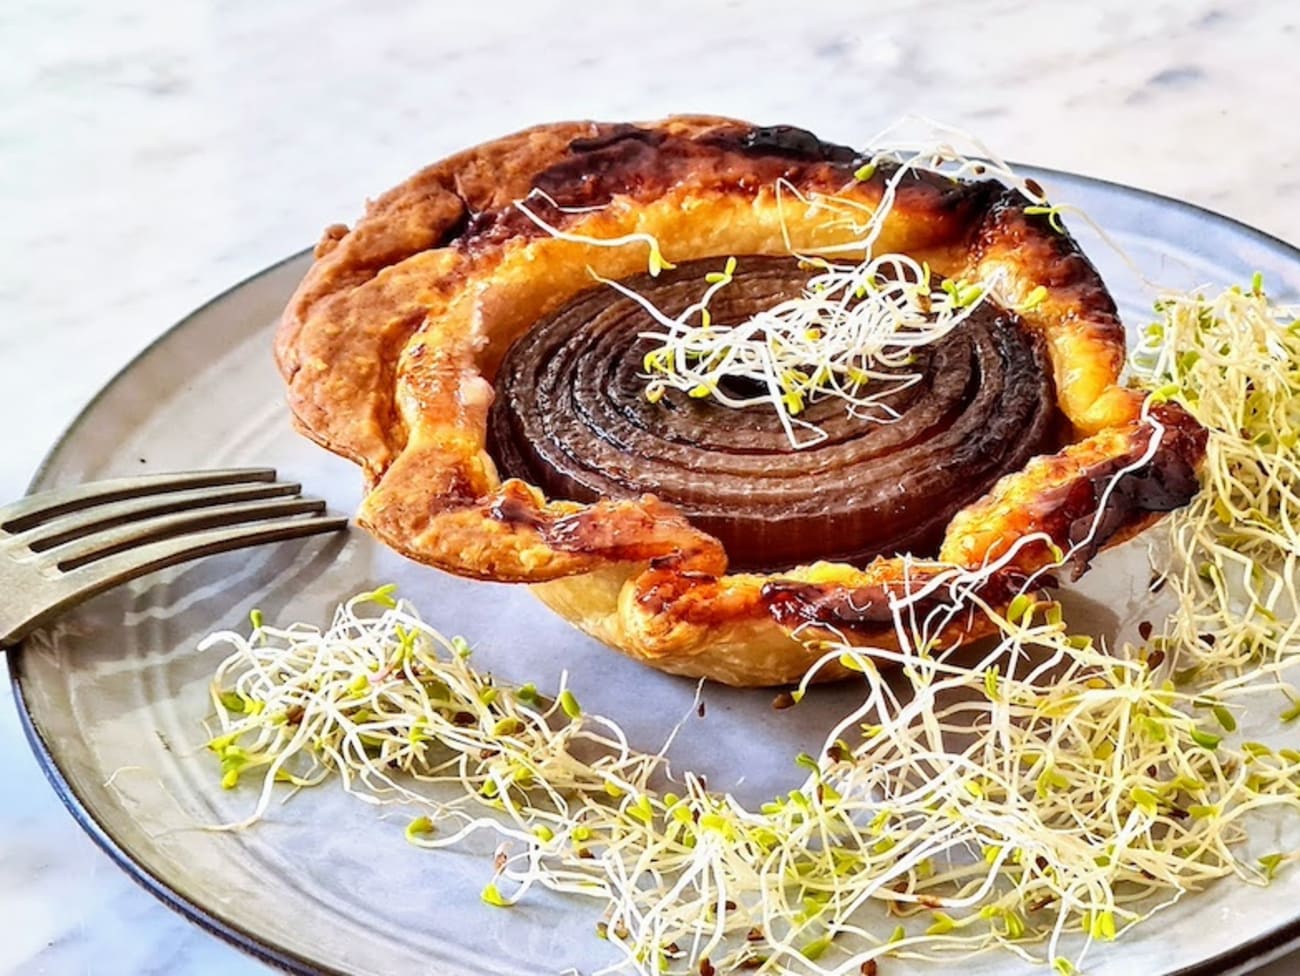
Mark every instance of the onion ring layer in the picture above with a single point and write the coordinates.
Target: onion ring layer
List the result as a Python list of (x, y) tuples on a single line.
[(571, 417)]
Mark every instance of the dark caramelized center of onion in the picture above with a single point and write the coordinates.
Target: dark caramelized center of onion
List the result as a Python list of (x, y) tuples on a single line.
[(571, 417)]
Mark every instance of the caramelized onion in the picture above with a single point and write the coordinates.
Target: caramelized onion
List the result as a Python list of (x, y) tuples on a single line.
[(571, 416)]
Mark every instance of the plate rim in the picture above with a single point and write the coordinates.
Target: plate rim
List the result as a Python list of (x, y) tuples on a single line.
[(231, 933), (1237, 960)]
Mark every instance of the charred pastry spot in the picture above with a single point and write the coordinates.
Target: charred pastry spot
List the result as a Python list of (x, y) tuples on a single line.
[(1004, 224), (790, 142), (599, 168), (515, 507), (943, 199), (793, 604), (868, 611), (1058, 262), (1165, 483), (637, 531), (614, 134)]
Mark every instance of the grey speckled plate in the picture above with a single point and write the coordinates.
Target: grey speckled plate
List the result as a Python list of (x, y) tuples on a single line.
[(114, 696)]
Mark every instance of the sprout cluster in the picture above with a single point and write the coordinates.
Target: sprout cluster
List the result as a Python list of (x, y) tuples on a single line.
[(1233, 361)]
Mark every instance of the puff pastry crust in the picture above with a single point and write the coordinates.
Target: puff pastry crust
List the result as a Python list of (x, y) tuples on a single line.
[(390, 345)]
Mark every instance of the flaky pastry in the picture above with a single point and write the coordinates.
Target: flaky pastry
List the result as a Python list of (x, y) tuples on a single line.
[(392, 343)]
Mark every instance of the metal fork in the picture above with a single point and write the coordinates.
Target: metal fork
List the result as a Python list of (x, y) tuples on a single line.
[(61, 547)]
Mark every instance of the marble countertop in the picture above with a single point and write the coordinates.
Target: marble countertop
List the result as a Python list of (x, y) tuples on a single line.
[(153, 154)]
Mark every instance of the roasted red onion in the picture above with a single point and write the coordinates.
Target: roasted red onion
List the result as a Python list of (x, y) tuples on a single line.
[(571, 416)]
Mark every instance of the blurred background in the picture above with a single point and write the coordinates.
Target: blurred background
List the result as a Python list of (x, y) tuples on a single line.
[(153, 155)]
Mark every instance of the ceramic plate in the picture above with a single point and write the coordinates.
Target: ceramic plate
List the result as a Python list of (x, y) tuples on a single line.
[(114, 697)]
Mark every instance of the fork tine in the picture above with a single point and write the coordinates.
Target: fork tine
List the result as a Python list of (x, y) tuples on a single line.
[(104, 574), (64, 528), (29, 511), (135, 534)]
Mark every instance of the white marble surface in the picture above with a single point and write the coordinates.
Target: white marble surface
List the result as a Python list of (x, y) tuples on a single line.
[(153, 154)]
